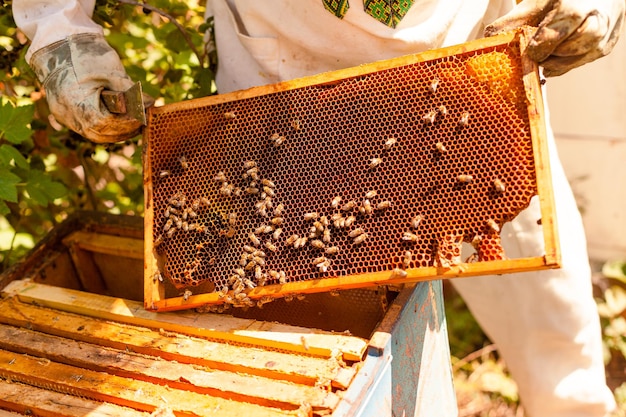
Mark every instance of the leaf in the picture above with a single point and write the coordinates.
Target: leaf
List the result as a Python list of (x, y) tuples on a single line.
[(14, 122), (615, 270), (4, 209), (9, 154), (42, 189), (175, 41), (615, 300), (8, 188)]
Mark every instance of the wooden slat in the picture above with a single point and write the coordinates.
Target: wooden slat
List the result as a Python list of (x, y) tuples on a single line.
[(365, 280), (125, 247), (172, 346), (26, 399), (537, 117), (125, 392), (214, 326), (235, 386), (87, 271)]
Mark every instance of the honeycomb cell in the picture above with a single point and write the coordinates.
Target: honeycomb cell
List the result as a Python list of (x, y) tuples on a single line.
[(232, 213)]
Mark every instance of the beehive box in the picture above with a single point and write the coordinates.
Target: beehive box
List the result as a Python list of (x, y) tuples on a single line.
[(76, 340), (379, 174)]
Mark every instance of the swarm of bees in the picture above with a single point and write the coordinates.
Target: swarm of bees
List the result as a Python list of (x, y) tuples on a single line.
[(342, 218)]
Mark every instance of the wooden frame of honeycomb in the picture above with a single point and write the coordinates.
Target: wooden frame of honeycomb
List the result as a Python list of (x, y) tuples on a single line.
[(374, 175)]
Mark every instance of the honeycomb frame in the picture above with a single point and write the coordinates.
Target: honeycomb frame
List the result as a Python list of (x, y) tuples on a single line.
[(374, 175)]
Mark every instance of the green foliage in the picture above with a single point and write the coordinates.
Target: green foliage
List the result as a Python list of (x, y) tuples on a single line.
[(612, 310), (47, 171)]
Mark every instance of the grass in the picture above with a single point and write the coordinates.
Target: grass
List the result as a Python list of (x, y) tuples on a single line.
[(484, 388)]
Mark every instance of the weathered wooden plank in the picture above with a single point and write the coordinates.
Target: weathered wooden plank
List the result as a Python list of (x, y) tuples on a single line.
[(213, 326), (122, 391), (29, 400), (87, 271), (234, 386), (125, 247), (172, 346)]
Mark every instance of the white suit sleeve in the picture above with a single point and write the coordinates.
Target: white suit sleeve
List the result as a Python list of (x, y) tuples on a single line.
[(47, 21)]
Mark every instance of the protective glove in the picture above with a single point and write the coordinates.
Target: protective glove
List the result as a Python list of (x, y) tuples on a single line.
[(74, 72), (570, 32)]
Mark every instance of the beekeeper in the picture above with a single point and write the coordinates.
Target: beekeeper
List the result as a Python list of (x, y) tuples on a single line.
[(545, 324)]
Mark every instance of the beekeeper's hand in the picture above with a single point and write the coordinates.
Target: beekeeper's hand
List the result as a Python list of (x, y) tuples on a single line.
[(570, 32), (74, 71)]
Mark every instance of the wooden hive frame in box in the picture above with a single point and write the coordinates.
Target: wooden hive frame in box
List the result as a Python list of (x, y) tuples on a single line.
[(374, 175)]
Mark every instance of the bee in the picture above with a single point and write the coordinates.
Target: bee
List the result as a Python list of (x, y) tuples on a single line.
[(318, 227), (430, 117), (164, 174), (158, 276), (389, 143), (356, 232), (323, 266), (258, 272), (318, 244), (440, 147), (277, 221), (183, 162), (334, 293), (300, 297), (205, 201), (248, 283), (499, 186), (171, 232), (229, 115), (168, 225), (319, 260), (366, 207), (348, 206), (331, 250), (227, 189), (279, 141), (232, 218), (262, 229), (278, 210), (433, 85), (371, 194), (410, 237), (340, 222), (398, 273), (311, 216), (271, 246), (158, 241), (415, 221), (243, 259), (288, 298), (264, 300), (186, 295), (443, 110), (465, 178), (268, 191), (251, 190), (301, 242), (326, 236), (360, 239), (335, 202), (374, 162), (464, 119), (220, 177), (408, 257), (291, 240), (185, 226), (228, 233), (277, 233), (250, 265), (254, 239), (282, 277), (349, 221), (268, 183), (383, 205), (295, 124), (493, 225), (249, 164)]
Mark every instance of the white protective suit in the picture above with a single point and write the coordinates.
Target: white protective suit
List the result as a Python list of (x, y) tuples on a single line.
[(545, 324)]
